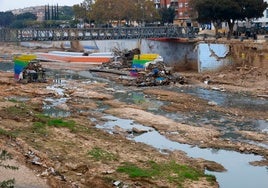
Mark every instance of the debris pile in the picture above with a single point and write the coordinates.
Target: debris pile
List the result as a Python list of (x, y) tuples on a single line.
[(140, 70), (123, 58), (155, 74), (33, 72)]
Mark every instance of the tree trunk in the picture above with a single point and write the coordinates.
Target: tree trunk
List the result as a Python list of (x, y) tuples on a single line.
[(216, 25), (231, 28)]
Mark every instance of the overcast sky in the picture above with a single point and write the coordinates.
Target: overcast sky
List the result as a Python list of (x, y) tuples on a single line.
[(14, 4)]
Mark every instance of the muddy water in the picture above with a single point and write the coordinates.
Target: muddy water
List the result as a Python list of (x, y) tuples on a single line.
[(222, 122), (227, 99), (239, 172), (6, 66)]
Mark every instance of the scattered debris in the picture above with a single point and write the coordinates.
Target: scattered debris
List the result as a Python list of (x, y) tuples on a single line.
[(140, 70), (155, 74), (33, 72), (33, 158), (27, 69), (126, 56), (51, 171), (212, 103), (116, 183), (263, 96), (218, 89), (108, 70)]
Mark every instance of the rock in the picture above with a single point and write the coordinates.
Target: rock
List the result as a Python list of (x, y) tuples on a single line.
[(71, 166), (242, 149), (44, 174), (63, 107), (118, 130), (213, 166), (221, 75), (108, 172), (116, 183), (110, 89), (139, 131), (212, 103), (83, 180)]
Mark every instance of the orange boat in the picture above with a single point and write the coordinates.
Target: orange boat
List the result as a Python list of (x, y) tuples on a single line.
[(76, 57)]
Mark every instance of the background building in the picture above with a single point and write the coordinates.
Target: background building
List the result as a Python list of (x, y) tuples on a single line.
[(39, 11), (182, 10)]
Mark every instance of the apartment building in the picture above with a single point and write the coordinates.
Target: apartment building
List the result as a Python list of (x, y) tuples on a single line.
[(182, 10)]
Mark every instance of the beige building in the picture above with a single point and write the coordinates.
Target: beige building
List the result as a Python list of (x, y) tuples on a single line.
[(39, 11)]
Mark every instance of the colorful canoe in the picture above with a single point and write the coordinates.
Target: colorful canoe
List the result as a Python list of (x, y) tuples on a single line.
[(20, 62), (139, 61), (76, 57)]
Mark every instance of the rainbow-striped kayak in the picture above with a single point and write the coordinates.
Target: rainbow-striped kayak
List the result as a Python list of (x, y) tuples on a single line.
[(139, 61), (20, 62)]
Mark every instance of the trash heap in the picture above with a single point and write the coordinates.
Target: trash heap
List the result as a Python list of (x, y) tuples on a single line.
[(150, 70), (27, 69), (123, 58), (140, 70), (33, 72), (156, 73)]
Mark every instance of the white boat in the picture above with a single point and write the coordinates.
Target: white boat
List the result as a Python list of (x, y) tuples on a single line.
[(77, 57)]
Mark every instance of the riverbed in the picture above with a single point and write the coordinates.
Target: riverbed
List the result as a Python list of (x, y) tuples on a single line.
[(239, 171), (232, 118)]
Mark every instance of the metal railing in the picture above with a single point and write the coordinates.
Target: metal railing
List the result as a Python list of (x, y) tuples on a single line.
[(58, 34)]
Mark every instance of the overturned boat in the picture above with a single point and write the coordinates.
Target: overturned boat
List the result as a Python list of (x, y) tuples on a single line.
[(77, 57)]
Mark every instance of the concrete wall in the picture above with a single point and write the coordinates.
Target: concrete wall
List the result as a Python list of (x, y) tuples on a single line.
[(109, 45), (182, 56), (212, 56)]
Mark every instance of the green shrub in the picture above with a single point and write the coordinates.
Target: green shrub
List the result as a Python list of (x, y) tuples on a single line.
[(101, 155)]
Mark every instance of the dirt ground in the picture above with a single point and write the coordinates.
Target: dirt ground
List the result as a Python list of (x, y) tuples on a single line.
[(58, 157)]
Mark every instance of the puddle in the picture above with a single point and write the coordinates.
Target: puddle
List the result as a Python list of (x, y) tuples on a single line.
[(262, 125), (53, 106), (222, 122), (138, 98), (239, 172), (227, 99), (6, 66), (123, 123)]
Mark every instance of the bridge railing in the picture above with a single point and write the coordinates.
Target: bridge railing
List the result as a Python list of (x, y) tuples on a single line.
[(58, 34)]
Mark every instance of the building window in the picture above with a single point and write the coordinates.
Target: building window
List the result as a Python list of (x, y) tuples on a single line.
[(186, 4), (180, 5), (266, 13)]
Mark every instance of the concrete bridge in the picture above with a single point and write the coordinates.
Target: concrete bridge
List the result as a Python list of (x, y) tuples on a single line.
[(59, 34)]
